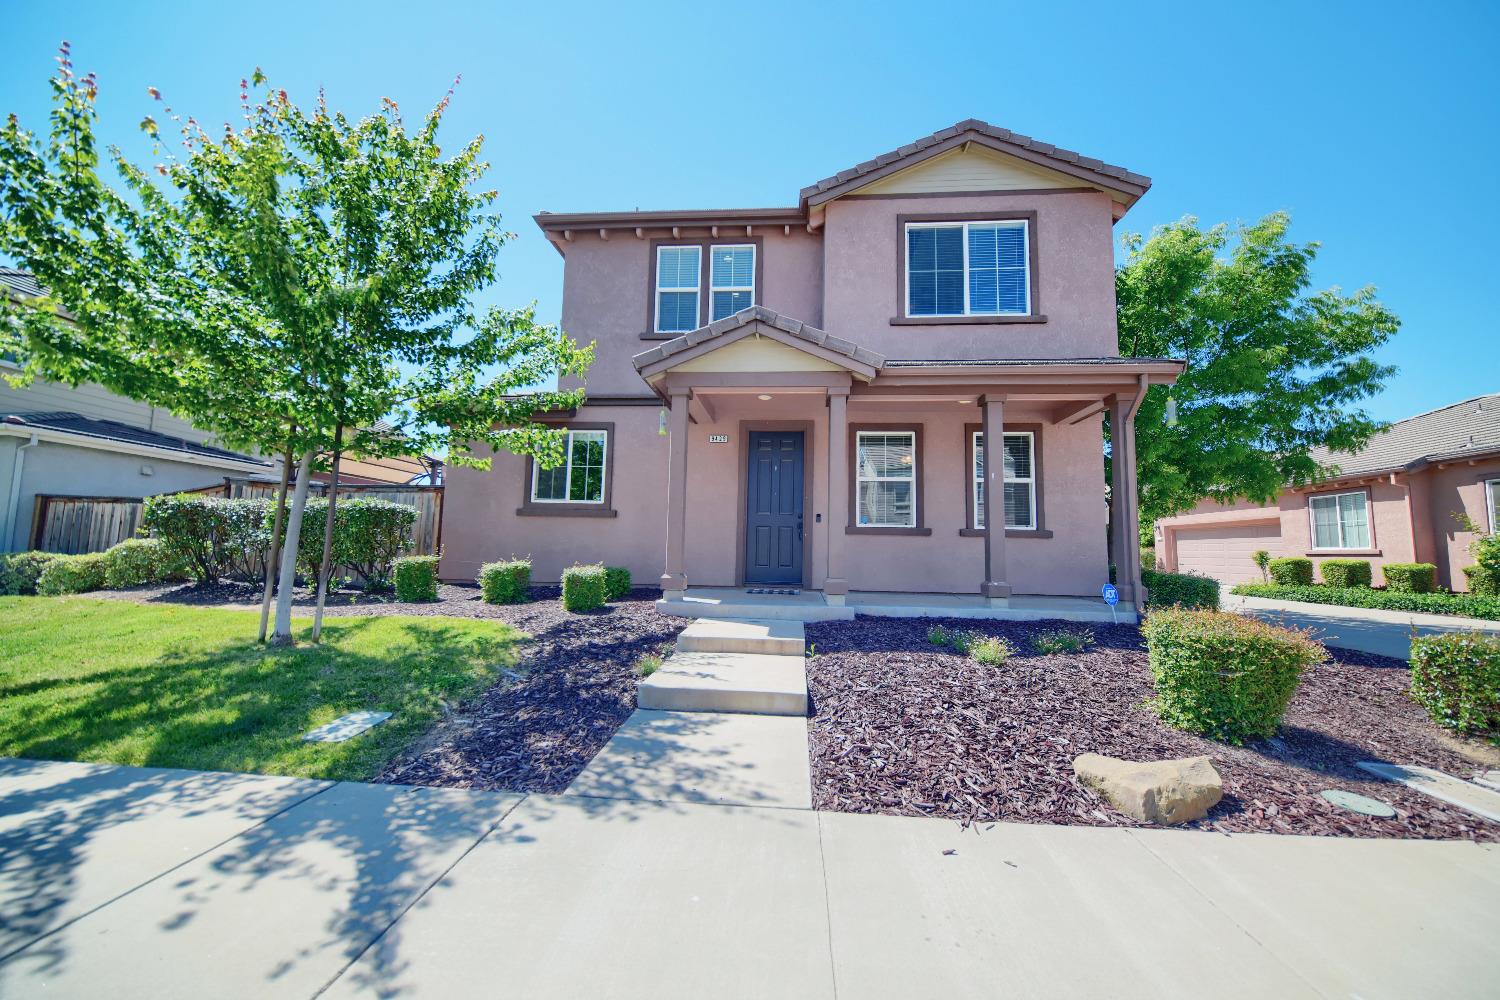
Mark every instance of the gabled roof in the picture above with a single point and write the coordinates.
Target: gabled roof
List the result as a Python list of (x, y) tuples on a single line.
[(112, 430), (1453, 432), (759, 320), (1085, 168)]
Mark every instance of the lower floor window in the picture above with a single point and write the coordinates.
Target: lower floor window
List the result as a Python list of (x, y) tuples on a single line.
[(1019, 480), (580, 477), (885, 466), (1340, 521)]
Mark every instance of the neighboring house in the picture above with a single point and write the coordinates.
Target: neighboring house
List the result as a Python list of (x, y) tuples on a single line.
[(59, 441), (1392, 502), (802, 396)]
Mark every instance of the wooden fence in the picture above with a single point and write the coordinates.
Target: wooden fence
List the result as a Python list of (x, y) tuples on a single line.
[(93, 524)]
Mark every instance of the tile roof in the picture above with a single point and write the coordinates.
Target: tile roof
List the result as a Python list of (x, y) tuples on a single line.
[(759, 314), (1019, 362), (1469, 427), (113, 430), (973, 127)]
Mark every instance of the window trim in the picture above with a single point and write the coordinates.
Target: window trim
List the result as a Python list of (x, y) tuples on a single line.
[(657, 290), (1038, 492), (532, 507), (1033, 287), (1492, 501), (919, 514), (1312, 534), (705, 276)]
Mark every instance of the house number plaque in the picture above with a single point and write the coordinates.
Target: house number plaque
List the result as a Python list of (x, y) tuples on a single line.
[(718, 439)]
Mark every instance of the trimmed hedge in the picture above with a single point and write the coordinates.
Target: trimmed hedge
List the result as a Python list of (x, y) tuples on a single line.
[(19, 571), (1456, 677), (584, 588), (1410, 578), (1292, 571), (138, 561), (415, 578), (507, 582), (194, 528), (1464, 605), (1346, 573), (1148, 559), (1186, 590), (368, 534), (1482, 582), (72, 575), (616, 582), (1223, 675)]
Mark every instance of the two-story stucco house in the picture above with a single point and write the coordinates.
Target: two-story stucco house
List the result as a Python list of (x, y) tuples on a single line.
[(803, 397)]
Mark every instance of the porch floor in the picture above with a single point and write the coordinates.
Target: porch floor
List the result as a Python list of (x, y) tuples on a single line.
[(810, 605)]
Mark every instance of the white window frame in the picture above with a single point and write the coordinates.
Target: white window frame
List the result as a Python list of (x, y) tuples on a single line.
[(860, 478), (536, 469), (1023, 224), (974, 479), (714, 248), (1489, 501), (696, 288), (1312, 525)]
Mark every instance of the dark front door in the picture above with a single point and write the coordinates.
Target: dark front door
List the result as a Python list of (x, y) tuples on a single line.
[(773, 508)]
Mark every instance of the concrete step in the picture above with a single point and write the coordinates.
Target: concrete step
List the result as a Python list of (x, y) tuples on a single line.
[(698, 608), (732, 635), (754, 683), (1476, 799)]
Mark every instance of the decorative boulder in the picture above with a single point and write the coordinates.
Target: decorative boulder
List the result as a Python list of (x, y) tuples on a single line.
[(1164, 791)]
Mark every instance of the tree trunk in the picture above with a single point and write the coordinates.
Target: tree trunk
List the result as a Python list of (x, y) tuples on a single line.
[(288, 568), (274, 548), (325, 568)]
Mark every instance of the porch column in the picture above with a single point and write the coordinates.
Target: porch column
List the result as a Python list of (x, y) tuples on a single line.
[(674, 576), (995, 587), (1124, 531), (836, 586)]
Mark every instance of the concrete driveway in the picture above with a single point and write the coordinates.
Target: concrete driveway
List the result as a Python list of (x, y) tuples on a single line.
[(1373, 631), (129, 882)]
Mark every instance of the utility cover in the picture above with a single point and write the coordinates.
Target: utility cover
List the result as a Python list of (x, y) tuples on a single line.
[(1362, 804), (345, 727)]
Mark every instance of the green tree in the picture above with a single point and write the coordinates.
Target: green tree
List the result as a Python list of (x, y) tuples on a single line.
[(303, 284), (1273, 370)]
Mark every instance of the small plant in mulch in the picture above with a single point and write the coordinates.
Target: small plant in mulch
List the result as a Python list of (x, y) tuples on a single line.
[(990, 651), (648, 664), (938, 636), (1063, 640)]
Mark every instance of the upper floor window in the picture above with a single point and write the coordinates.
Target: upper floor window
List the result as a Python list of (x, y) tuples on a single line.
[(1340, 521), (1492, 495), (682, 304), (678, 276), (580, 477), (732, 279), (968, 268)]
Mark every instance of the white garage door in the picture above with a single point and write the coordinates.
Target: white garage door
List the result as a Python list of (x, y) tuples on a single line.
[(1224, 552)]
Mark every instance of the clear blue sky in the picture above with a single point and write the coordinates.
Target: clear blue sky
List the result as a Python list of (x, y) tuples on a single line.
[(1374, 124)]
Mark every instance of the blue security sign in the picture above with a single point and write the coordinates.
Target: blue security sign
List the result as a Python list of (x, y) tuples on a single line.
[(1110, 594)]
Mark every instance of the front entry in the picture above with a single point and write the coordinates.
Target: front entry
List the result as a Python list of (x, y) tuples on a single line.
[(773, 508)]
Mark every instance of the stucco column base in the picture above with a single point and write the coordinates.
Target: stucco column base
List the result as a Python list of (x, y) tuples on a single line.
[(834, 587), (992, 589), (673, 583), (833, 600), (997, 602)]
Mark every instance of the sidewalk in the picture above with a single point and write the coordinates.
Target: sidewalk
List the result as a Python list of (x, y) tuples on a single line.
[(1369, 629), (133, 882)]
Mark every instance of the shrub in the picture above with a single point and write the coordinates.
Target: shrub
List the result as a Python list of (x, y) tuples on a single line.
[(19, 571), (138, 561), (1063, 640), (193, 529), (415, 578), (245, 535), (1482, 582), (507, 582), (1409, 578), (938, 636), (990, 651), (368, 534), (1456, 677), (1346, 572), (1223, 675), (72, 575), (961, 640), (1186, 590), (1148, 558), (1292, 571), (583, 587), (616, 582), (1262, 560), (1465, 605)]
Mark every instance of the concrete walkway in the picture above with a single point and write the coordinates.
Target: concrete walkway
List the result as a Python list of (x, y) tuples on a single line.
[(1371, 630), (128, 882)]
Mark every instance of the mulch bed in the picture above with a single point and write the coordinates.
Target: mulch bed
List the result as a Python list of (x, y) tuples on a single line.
[(903, 727), (535, 730)]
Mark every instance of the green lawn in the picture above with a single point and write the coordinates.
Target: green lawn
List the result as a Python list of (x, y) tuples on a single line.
[(172, 686)]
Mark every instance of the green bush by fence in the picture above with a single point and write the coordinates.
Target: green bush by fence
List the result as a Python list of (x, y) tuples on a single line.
[(1465, 605), (72, 575), (415, 578), (1186, 590), (138, 561), (584, 588), (616, 582), (368, 534), (1292, 571), (1456, 677), (19, 571), (1223, 675), (507, 582), (1346, 572), (1410, 578)]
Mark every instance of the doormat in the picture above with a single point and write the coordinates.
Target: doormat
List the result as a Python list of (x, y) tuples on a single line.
[(777, 591)]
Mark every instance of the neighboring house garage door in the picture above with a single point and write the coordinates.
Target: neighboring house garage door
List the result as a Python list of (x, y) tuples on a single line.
[(1224, 552)]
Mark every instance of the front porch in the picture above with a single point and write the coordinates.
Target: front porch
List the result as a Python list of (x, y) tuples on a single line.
[(813, 606)]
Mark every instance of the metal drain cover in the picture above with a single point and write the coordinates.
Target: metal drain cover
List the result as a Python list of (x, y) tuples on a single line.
[(1362, 804)]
